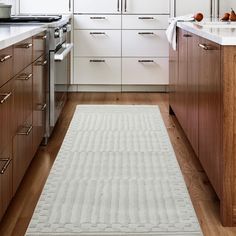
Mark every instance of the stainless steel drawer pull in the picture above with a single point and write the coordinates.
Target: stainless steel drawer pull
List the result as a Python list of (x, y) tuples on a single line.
[(205, 47), (125, 5), (4, 168), (24, 76), (5, 58), (100, 61), (146, 18), (26, 46), (44, 107), (5, 97), (98, 18), (42, 37), (41, 63), (97, 33), (146, 61), (118, 5), (146, 33), (27, 132)]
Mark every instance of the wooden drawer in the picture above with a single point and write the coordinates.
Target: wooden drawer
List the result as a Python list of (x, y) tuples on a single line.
[(145, 71), (97, 43), (23, 55), (147, 7), (145, 21), (5, 185), (100, 71), (6, 65), (145, 43), (39, 45), (6, 115), (97, 22)]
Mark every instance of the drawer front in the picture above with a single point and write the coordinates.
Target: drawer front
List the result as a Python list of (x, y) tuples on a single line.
[(149, 7), (145, 21), (145, 43), (97, 22), (97, 43), (6, 65), (5, 185), (97, 71), (92, 6), (145, 71), (23, 55), (39, 45)]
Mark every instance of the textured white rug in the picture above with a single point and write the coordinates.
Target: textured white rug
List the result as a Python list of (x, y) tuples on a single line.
[(116, 174)]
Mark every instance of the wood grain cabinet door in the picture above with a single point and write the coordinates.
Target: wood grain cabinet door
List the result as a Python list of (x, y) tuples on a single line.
[(39, 100), (192, 92), (210, 113), (182, 85)]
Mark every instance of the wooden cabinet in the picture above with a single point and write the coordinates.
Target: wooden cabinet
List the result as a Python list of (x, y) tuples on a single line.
[(39, 45), (40, 70), (210, 131), (23, 139)]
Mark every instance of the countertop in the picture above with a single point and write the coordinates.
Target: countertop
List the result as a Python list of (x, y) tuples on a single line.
[(214, 30), (11, 34)]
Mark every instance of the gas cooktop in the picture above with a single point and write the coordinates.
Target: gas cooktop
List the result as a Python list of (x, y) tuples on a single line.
[(29, 19)]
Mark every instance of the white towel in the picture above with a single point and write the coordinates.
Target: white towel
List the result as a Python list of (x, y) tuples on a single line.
[(171, 31)]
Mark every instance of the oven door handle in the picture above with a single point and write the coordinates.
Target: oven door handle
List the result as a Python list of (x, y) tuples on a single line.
[(63, 52)]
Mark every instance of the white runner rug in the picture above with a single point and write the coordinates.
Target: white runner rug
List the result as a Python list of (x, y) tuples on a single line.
[(116, 174)]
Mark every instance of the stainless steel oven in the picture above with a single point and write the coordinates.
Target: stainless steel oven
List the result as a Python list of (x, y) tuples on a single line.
[(60, 47)]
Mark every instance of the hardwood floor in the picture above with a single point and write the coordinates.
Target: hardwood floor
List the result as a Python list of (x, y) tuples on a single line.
[(203, 197)]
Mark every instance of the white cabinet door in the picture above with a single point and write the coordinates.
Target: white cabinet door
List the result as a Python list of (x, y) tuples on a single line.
[(95, 6), (97, 71), (144, 43), (145, 71), (97, 43), (146, 6), (45, 6)]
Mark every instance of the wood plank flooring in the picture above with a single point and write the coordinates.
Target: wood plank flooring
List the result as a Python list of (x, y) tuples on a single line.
[(203, 197)]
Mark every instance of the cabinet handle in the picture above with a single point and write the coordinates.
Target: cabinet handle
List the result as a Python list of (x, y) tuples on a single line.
[(205, 47), (146, 18), (44, 107), (41, 63), (41, 37), (97, 33), (118, 5), (98, 18), (98, 61), (146, 33), (24, 76), (27, 132), (125, 5), (5, 97), (25, 46), (146, 61), (8, 161), (187, 35), (5, 58)]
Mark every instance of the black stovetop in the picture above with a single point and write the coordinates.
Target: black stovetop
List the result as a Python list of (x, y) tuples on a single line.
[(29, 19)]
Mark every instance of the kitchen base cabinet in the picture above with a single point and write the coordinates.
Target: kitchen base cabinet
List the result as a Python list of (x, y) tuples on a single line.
[(202, 76)]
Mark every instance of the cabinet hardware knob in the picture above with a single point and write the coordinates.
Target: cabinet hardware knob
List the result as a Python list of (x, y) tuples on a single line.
[(27, 132), (146, 18), (146, 33), (98, 61), (41, 63), (24, 76), (5, 97), (98, 18), (4, 168), (146, 61), (97, 33), (5, 58), (25, 46)]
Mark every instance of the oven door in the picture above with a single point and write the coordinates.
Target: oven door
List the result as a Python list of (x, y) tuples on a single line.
[(60, 79)]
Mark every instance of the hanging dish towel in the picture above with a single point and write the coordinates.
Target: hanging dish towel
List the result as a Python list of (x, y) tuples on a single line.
[(171, 31)]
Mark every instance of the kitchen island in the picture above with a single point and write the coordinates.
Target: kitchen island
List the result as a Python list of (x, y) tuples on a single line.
[(202, 96)]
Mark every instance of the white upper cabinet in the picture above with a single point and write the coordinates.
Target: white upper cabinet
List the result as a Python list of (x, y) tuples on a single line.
[(146, 6), (45, 6), (97, 6)]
